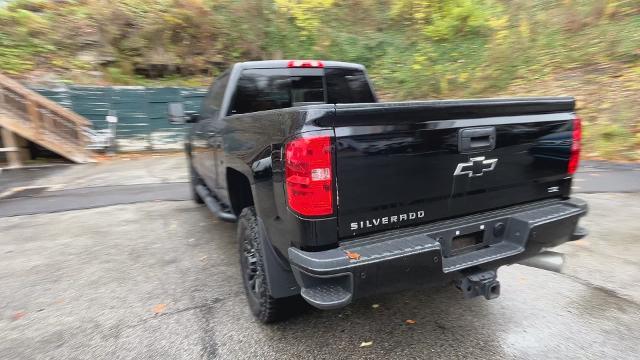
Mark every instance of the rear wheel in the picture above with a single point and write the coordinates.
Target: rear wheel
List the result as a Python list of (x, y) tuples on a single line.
[(263, 306)]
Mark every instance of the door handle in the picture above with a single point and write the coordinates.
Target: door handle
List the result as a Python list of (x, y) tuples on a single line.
[(476, 139)]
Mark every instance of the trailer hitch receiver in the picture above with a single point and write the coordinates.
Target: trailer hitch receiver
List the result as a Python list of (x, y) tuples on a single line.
[(482, 283)]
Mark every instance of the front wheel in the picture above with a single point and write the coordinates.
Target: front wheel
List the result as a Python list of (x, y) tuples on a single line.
[(263, 306)]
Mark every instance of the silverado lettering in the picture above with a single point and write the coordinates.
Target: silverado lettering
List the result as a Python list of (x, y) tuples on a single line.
[(312, 167), (386, 220)]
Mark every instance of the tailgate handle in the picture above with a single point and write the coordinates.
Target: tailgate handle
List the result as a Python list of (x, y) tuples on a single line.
[(476, 139)]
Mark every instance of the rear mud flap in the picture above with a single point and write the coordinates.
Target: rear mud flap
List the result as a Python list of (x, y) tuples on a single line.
[(279, 276)]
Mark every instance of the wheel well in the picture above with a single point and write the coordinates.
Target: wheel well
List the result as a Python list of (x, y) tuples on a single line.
[(240, 194)]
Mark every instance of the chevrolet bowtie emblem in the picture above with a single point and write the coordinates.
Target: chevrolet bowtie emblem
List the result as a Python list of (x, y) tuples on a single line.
[(476, 166)]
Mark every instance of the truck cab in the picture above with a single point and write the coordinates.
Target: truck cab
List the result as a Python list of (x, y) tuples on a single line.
[(257, 86)]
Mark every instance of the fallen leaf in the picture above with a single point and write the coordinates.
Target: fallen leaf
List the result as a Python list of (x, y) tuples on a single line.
[(19, 315), (352, 255), (159, 308), (366, 343), (409, 322), (204, 258), (375, 306)]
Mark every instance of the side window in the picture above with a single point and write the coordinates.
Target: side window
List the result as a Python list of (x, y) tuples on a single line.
[(213, 101), (259, 90)]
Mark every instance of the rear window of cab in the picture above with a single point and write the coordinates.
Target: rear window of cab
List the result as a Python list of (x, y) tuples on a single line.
[(268, 89)]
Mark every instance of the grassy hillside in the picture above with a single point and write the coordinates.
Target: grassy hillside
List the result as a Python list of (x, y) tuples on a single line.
[(414, 49)]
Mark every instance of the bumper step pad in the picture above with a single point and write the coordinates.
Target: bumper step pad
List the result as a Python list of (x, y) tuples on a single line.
[(326, 296)]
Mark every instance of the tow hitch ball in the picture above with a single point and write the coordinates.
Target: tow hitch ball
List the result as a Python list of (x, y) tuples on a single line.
[(482, 283)]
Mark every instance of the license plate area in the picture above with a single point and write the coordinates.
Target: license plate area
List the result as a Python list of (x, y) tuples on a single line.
[(461, 244), (470, 238)]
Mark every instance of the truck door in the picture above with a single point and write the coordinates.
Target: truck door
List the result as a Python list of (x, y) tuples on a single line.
[(207, 139)]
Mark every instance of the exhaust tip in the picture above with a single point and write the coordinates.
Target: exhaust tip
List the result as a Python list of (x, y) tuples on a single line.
[(547, 260)]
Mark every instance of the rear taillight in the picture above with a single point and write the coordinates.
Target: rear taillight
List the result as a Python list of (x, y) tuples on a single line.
[(308, 175), (305, 64), (576, 137)]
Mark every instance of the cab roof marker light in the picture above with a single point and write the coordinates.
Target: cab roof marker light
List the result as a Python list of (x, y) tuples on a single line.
[(305, 64)]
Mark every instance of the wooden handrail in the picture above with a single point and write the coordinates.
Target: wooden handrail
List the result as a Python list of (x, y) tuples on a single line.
[(43, 121), (41, 101)]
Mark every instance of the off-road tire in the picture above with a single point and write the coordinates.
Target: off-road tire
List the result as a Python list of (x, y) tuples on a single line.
[(264, 307)]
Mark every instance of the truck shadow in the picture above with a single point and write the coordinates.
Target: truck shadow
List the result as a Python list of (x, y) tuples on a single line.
[(395, 323)]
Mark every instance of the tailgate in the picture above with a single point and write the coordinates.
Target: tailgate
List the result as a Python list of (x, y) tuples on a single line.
[(401, 164)]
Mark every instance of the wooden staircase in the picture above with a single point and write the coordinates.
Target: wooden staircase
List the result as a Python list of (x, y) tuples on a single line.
[(33, 117)]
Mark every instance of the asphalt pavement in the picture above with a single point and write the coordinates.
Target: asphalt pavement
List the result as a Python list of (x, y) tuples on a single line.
[(148, 275), (601, 176)]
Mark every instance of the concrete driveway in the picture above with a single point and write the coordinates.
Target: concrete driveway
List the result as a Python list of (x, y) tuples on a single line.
[(159, 278)]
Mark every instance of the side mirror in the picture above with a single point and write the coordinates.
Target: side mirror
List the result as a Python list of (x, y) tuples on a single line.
[(176, 113), (192, 116)]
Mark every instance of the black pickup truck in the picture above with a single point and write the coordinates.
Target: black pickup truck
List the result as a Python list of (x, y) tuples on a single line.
[(338, 197)]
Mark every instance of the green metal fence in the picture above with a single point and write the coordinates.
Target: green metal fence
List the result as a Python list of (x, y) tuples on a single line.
[(142, 112)]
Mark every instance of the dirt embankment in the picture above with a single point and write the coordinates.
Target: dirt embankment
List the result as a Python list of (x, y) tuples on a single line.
[(608, 102)]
